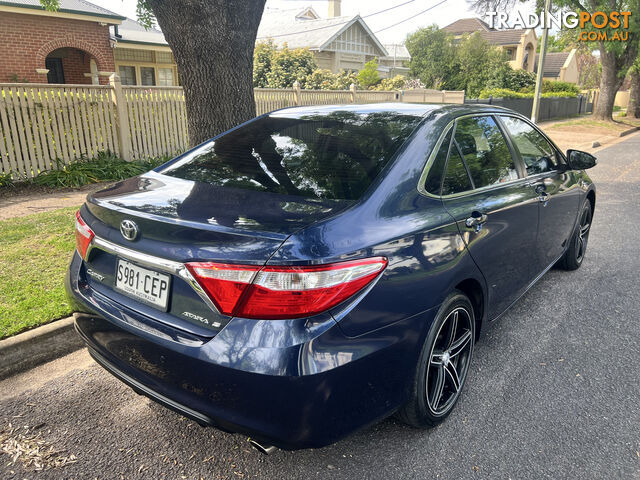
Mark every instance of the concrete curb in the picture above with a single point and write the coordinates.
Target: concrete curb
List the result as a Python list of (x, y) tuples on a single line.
[(627, 132), (40, 345)]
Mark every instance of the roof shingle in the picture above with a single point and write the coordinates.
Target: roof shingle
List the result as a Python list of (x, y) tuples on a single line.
[(467, 25), (553, 63)]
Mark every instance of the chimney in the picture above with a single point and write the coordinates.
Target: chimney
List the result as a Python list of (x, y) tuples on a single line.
[(334, 8)]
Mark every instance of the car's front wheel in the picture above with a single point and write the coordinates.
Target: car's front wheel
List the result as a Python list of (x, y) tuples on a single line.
[(443, 364)]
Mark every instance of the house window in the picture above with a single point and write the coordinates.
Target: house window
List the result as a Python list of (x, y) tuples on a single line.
[(147, 76), (127, 75), (510, 53), (131, 54), (164, 57), (165, 77)]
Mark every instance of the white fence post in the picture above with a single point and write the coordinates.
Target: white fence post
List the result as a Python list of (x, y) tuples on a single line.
[(352, 89), (122, 119), (296, 92)]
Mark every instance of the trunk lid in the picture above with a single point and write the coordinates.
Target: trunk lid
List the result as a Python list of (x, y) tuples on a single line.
[(183, 221)]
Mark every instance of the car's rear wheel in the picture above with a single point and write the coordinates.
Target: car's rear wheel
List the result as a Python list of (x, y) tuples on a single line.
[(443, 364), (574, 255)]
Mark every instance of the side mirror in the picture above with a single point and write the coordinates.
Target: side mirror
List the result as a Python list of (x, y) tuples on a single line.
[(579, 160)]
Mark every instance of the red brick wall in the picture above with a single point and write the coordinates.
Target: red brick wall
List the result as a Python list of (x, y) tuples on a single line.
[(28, 39)]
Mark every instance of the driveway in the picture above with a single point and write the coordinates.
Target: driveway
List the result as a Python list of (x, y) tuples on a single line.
[(553, 392)]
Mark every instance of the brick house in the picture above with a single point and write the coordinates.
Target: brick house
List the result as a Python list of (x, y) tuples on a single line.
[(81, 43), (55, 47)]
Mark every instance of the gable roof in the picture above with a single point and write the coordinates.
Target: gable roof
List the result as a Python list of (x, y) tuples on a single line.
[(133, 32), (284, 26), (78, 7), (553, 63), (467, 25)]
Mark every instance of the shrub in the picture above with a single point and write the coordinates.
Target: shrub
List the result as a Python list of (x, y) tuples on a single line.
[(368, 76), (320, 79), (280, 68), (5, 180), (344, 79), (105, 167), (519, 79), (552, 86), (506, 93), (559, 94), (413, 83), (395, 83), (502, 93)]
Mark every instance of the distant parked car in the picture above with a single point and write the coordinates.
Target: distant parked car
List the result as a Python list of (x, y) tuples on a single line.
[(317, 269)]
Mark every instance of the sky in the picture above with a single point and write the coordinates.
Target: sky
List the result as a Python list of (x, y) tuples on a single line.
[(442, 15)]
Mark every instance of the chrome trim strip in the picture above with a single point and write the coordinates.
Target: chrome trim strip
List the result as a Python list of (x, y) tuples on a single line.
[(151, 261)]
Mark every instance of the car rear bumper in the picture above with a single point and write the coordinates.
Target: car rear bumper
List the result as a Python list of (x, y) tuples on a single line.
[(293, 384)]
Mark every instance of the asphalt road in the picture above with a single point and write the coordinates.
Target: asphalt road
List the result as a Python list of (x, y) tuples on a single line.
[(554, 391)]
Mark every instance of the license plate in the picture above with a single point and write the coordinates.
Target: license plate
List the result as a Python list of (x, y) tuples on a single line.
[(143, 284)]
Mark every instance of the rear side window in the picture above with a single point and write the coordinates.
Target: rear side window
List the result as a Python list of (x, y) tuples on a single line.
[(485, 151), (456, 179), (537, 153), (434, 177), (334, 155)]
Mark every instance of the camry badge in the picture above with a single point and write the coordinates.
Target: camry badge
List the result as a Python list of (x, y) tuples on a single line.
[(128, 229)]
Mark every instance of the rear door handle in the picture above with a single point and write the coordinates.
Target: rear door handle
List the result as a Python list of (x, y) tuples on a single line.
[(476, 220)]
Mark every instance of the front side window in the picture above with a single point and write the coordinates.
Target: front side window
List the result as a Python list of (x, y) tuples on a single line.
[(485, 151), (127, 75), (333, 155), (537, 153)]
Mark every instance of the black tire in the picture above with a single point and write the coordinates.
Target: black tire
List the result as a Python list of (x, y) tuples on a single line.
[(438, 356), (573, 257)]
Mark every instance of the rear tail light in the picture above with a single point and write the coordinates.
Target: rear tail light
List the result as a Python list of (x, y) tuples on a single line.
[(84, 235), (283, 292)]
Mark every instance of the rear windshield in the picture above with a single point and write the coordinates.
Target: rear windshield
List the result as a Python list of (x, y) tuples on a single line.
[(328, 156)]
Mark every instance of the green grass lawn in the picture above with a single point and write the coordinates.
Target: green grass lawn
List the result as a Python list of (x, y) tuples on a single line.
[(35, 251)]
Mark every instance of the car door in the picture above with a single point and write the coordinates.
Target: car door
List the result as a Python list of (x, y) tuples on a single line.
[(558, 197), (483, 189)]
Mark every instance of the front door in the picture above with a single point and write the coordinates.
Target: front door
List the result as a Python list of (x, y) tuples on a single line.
[(558, 195), (496, 212), (56, 74)]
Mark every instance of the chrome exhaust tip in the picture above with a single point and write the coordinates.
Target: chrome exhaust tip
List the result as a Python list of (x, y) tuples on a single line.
[(261, 447)]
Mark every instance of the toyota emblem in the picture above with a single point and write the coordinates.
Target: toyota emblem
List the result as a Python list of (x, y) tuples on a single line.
[(128, 229)]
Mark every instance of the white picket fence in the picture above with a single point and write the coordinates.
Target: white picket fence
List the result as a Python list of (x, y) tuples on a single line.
[(44, 126)]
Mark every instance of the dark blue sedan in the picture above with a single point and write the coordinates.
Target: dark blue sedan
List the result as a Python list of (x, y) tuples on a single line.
[(318, 269)]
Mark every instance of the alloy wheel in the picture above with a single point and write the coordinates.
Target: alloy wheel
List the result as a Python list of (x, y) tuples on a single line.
[(449, 361), (583, 235)]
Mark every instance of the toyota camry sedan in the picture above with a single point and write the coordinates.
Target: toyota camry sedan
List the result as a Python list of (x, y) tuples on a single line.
[(318, 269)]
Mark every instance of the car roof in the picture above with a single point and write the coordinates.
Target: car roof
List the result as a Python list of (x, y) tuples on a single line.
[(413, 109)]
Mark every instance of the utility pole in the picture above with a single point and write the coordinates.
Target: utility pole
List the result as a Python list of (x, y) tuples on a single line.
[(543, 53)]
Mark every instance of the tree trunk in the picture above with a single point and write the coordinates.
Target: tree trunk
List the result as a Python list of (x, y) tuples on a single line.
[(633, 110), (213, 42), (609, 85)]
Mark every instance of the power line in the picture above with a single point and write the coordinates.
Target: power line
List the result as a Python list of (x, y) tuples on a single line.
[(411, 17), (335, 24)]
